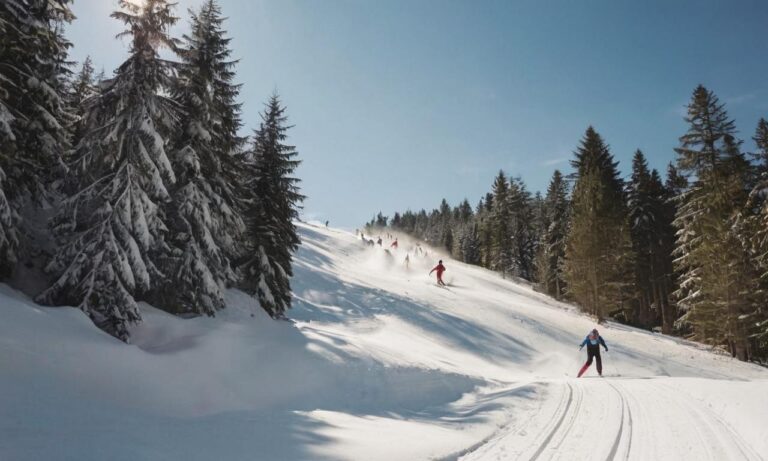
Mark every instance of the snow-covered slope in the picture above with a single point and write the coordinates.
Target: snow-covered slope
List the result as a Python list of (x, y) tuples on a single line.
[(380, 364)]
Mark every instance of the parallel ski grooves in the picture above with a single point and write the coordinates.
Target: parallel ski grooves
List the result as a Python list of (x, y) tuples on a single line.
[(552, 433)]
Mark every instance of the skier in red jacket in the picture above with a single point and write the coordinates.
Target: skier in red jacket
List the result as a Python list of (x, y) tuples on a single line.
[(440, 269), (394, 244)]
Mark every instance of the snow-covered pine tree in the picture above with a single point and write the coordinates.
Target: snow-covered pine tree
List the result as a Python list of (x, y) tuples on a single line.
[(752, 229), (33, 118), (204, 214), (716, 281), (598, 248), (82, 88), (551, 255), (273, 202), (113, 228)]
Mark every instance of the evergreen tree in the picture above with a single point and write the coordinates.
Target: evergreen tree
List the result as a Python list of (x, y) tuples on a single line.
[(380, 220), (716, 283), (273, 203), (205, 222), (598, 255), (551, 254), (444, 235), (761, 141), (470, 245), (465, 212), (113, 228), (484, 216), (500, 251), (397, 221), (650, 230), (752, 229), (33, 117), (522, 229), (81, 90)]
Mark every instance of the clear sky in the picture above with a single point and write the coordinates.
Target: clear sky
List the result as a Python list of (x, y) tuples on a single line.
[(398, 104)]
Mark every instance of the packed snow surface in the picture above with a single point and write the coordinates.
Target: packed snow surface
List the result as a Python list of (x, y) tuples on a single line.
[(378, 364)]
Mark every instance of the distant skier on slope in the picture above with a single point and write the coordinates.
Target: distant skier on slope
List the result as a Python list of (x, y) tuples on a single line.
[(440, 269), (394, 244), (593, 342)]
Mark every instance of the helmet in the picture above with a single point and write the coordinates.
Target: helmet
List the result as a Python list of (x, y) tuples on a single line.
[(440, 262), (594, 332)]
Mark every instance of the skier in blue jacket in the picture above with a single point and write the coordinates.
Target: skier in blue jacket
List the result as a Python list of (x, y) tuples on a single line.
[(593, 342)]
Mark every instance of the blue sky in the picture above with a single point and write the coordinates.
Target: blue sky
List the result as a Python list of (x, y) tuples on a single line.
[(398, 104)]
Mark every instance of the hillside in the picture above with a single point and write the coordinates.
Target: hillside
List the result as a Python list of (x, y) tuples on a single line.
[(378, 364)]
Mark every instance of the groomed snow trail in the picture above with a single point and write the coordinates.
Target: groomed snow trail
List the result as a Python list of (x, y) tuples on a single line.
[(644, 408), (617, 419), (377, 364)]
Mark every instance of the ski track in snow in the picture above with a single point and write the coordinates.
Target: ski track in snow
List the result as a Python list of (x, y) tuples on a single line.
[(378, 363), (583, 424)]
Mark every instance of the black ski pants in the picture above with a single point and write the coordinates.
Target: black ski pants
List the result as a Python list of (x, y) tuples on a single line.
[(594, 352)]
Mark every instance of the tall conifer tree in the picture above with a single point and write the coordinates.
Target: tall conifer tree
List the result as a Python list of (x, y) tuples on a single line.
[(273, 203), (551, 250), (204, 212), (652, 236), (33, 116), (716, 282), (597, 261), (500, 251), (113, 228)]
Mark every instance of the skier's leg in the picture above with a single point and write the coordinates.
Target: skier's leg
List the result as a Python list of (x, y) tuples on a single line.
[(599, 364), (586, 365)]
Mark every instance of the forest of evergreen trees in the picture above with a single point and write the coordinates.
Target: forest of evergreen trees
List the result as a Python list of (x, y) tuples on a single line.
[(687, 254), (155, 196)]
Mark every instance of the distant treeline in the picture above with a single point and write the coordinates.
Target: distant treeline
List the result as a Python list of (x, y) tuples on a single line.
[(687, 254)]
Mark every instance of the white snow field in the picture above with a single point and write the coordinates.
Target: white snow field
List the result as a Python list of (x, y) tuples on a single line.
[(380, 364)]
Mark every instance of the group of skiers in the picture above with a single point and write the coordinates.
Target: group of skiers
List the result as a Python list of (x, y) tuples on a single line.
[(416, 249), (593, 340)]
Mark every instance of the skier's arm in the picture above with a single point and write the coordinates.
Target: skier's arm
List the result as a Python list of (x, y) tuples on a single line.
[(434, 269), (602, 341), (583, 343)]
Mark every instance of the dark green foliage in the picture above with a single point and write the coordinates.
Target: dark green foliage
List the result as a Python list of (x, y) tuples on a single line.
[(598, 257), (33, 112), (551, 251), (651, 233), (204, 211), (717, 278), (273, 203), (81, 90)]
